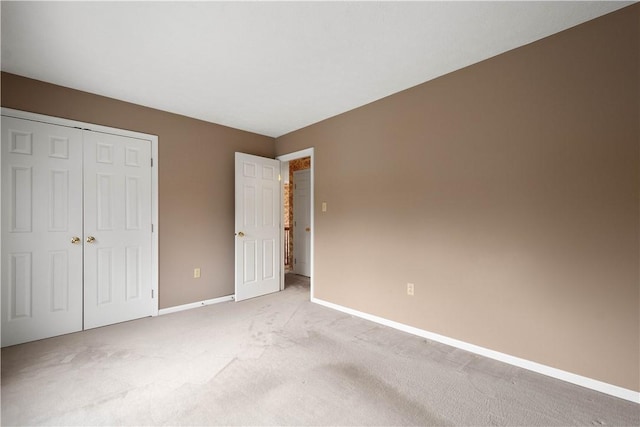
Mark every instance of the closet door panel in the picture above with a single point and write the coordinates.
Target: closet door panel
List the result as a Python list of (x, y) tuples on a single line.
[(117, 216), (41, 216)]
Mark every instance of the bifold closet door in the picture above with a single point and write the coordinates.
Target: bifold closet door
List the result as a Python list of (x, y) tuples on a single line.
[(76, 230), (41, 230), (117, 225)]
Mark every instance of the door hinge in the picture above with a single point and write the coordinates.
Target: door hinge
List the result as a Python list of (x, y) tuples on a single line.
[(295, 260), (151, 293), (152, 228), (152, 162)]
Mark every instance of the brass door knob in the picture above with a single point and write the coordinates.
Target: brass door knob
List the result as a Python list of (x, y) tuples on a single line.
[(240, 234), (307, 229), (75, 240), (91, 239)]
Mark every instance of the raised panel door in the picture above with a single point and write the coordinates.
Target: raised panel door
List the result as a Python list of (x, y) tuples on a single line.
[(41, 215), (258, 212), (117, 214)]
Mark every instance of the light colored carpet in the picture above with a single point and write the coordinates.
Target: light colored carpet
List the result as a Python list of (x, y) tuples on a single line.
[(279, 360)]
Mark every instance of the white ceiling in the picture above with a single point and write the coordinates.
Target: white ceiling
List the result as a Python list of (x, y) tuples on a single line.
[(266, 67)]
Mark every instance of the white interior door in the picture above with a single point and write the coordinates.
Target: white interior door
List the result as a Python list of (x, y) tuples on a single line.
[(302, 222), (257, 223), (41, 230), (117, 223)]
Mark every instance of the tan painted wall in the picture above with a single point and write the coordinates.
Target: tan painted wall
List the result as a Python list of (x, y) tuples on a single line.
[(196, 202), (508, 192)]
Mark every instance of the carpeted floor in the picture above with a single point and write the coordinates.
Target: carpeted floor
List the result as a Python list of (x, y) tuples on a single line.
[(279, 360)]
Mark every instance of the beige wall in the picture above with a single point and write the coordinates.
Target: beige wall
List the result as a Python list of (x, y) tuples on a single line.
[(196, 202), (508, 192)]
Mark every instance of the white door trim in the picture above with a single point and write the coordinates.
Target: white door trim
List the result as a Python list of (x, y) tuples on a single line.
[(154, 175), (308, 152), (552, 372)]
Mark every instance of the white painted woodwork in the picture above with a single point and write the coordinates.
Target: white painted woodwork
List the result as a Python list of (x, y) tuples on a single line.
[(117, 213), (41, 213), (550, 371), (258, 217), (302, 222), (43, 203), (307, 152)]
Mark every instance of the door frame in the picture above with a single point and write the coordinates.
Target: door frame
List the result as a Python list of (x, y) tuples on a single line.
[(9, 112), (307, 152)]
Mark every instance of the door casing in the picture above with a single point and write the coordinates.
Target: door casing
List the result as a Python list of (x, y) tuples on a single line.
[(307, 152)]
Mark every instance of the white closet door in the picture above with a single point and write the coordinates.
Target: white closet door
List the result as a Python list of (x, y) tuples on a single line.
[(41, 230), (117, 215)]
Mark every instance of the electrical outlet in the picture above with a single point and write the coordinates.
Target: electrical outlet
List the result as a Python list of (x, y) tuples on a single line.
[(410, 289), (196, 273)]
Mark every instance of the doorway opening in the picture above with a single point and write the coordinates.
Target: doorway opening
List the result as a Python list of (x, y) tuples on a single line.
[(296, 215), (297, 200)]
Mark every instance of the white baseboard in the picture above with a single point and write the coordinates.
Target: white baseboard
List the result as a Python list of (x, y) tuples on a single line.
[(183, 307), (586, 382)]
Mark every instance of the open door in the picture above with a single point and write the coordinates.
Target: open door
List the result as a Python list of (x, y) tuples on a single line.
[(302, 222), (257, 224)]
